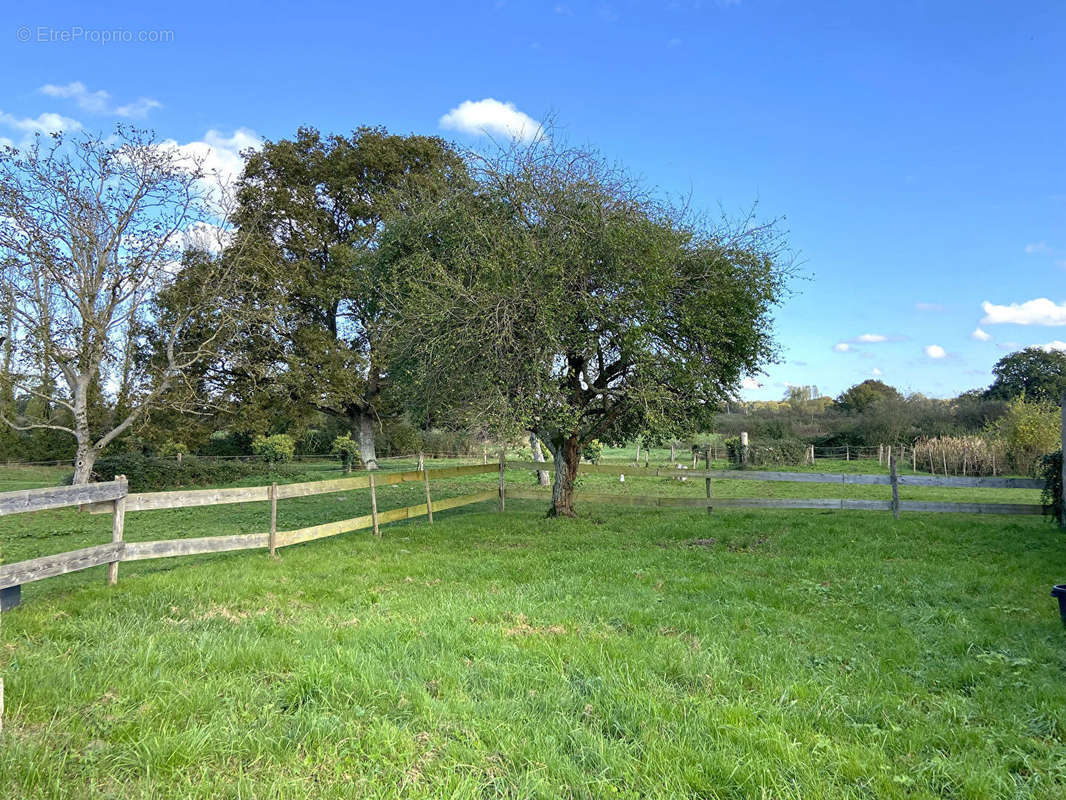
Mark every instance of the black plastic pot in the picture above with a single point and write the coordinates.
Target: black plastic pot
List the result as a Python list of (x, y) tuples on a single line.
[(1059, 591)]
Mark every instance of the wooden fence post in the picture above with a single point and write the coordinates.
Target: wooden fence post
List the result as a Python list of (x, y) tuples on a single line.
[(707, 464), (743, 447), (894, 478), (374, 506), (429, 500), (503, 464), (273, 520), (118, 526), (421, 461)]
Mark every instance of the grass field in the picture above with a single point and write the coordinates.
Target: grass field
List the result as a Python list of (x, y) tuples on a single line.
[(625, 654)]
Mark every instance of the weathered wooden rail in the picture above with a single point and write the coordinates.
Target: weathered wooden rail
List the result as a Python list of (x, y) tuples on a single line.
[(893, 480), (113, 497)]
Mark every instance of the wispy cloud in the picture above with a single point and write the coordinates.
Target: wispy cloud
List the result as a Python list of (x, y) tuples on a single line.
[(980, 336), (100, 101), (491, 117), (928, 306), (842, 347), (1040, 311), (1037, 247)]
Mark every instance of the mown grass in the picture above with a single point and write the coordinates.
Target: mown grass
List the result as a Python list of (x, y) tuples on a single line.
[(628, 653)]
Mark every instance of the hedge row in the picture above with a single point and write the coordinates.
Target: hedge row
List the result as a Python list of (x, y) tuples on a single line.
[(147, 474)]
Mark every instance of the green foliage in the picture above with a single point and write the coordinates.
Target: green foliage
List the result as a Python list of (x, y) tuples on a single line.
[(148, 474), (311, 208), (862, 395), (275, 449), (1030, 430), (228, 443), (170, 449), (1051, 472), (1032, 373), (592, 450), (348, 450), (450, 442), (553, 294), (400, 437), (765, 453)]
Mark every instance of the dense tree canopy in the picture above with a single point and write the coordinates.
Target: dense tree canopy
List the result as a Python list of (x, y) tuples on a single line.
[(1034, 373), (862, 395), (315, 206), (550, 293)]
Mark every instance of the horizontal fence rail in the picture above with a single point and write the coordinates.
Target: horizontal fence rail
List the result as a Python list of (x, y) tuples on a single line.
[(20, 502), (845, 478)]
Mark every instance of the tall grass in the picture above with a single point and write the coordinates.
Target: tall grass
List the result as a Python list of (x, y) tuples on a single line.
[(961, 455)]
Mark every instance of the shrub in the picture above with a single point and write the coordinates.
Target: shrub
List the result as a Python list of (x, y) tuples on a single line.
[(227, 443), (313, 442), (146, 474), (275, 449), (348, 450), (592, 450), (400, 438), (1051, 468), (1030, 430), (775, 452), (171, 449)]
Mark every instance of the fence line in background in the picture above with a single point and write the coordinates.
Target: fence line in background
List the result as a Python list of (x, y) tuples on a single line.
[(114, 497)]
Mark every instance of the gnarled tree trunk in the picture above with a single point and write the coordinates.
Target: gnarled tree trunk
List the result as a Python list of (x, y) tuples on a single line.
[(567, 453)]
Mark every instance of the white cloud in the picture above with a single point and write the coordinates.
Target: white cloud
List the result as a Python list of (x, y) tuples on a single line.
[(842, 347), (877, 373), (750, 383), (1032, 312), (220, 155), (1037, 247), (980, 335), (928, 306), (99, 102), (935, 351), (491, 117), (869, 338), (43, 123), (1055, 345)]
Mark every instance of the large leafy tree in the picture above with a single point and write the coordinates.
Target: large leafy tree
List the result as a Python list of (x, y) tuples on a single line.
[(1033, 373), (862, 396), (315, 206), (552, 294)]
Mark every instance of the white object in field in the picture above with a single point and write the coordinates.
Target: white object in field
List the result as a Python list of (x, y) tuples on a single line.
[(622, 478)]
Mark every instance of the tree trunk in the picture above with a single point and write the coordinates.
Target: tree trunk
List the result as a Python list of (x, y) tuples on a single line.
[(538, 456), (567, 454), (366, 442), (83, 463)]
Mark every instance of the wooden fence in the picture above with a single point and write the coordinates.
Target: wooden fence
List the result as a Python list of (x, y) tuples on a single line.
[(114, 498), (893, 480)]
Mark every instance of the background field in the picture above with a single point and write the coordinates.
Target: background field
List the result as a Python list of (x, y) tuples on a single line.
[(629, 653)]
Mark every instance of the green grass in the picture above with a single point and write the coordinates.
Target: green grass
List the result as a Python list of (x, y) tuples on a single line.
[(629, 653)]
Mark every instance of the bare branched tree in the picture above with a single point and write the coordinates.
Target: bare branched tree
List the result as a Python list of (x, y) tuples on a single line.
[(93, 230)]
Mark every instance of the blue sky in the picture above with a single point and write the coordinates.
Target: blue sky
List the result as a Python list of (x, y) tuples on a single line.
[(917, 150)]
